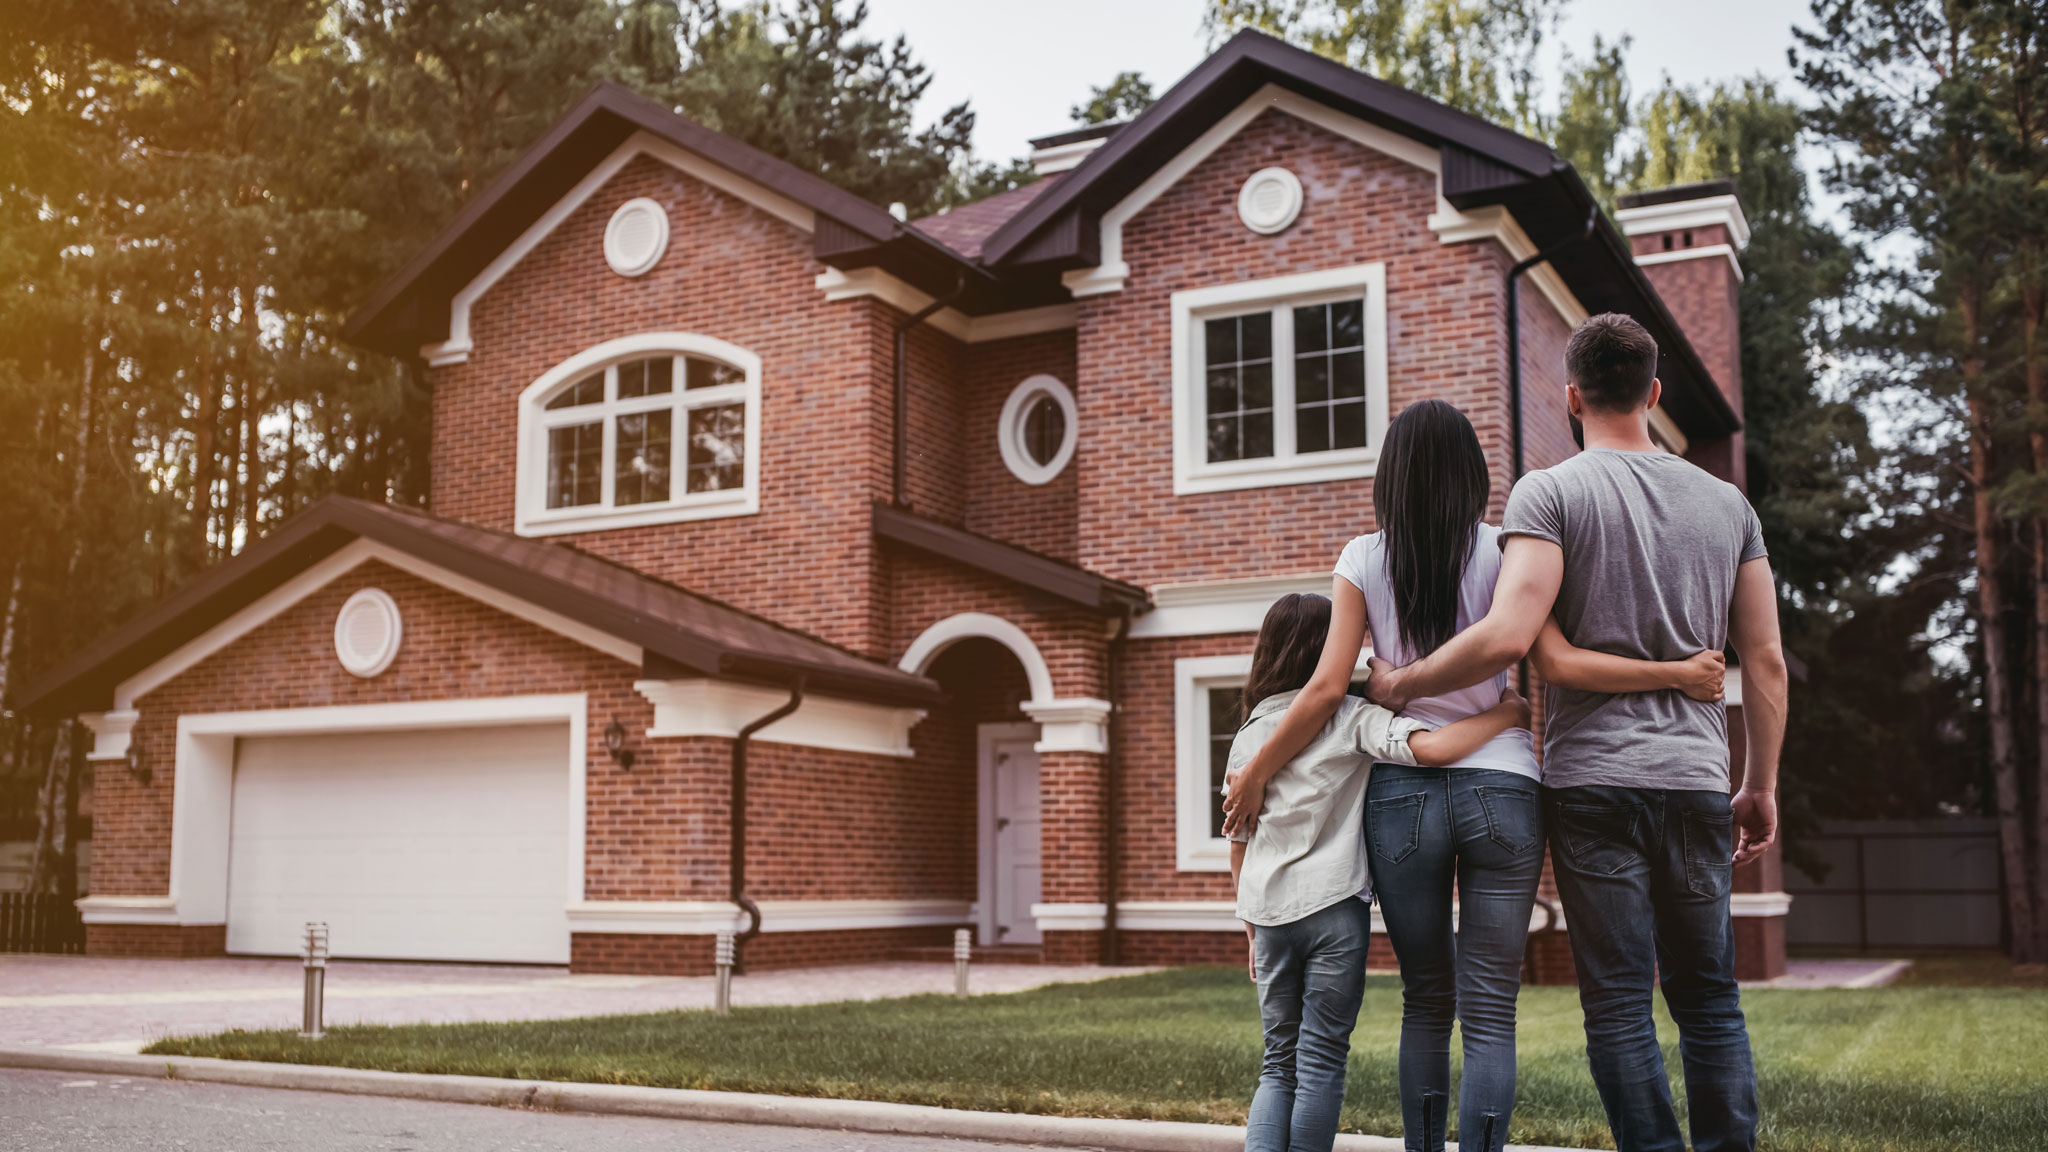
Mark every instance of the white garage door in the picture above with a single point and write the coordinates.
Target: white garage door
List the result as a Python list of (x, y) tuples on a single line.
[(421, 845)]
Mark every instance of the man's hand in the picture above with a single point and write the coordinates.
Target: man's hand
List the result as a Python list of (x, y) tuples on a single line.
[(1251, 953), (1517, 705), (1242, 803), (1383, 685), (1702, 675), (1756, 823)]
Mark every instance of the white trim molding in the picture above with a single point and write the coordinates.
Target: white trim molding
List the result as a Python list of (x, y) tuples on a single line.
[(700, 707), (1705, 212), (1495, 223), (1110, 272), (710, 917), (1215, 607), (1064, 157), (1195, 849), (1731, 688), (1071, 917), (1080, 724), (1010, 429), (459, 345), (111, 732), (953, 629), (344, 560), (203, 789), (129, 910), (1193, 472), (1701, 253), (861, 283), (1759, 904), (1665, 431), (532, 516)]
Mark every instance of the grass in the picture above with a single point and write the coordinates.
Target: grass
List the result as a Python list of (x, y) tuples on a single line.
[(1883, 1070)]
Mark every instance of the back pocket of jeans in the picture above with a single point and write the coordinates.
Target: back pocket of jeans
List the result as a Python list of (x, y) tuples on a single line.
[(1599, 837), (1513, 818), (1709, 853), (1395, 826)]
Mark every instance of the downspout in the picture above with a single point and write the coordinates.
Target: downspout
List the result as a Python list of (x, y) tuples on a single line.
[(898, 446), (1515, 369), (1112, 782), (738, 827)]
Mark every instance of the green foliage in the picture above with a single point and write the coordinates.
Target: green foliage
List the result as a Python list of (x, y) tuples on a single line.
[(1120, 99), (1881, 1070)]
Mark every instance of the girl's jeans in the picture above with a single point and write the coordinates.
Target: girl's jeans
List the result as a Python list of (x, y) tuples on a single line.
[(1311, 977), (1483, 829)]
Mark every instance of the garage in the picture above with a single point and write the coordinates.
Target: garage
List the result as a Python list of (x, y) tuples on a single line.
[(429, 844)]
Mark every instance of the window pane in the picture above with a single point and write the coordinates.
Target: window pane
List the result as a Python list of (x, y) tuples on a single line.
[(589, 390), (1223, 721), (575, 465), (1311, 379), (642, 456), (1045, 428), (646, 377), (717, 447), (1312, 328), (1347, 324), (1239, 386), (709, 373), (1347, 374), (1347, 424), (1312, 428)]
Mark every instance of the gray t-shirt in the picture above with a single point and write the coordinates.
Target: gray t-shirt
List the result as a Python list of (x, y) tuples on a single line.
[(1651, 544)]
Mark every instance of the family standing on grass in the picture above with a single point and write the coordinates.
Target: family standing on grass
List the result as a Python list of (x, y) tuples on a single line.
[(1621, 574)]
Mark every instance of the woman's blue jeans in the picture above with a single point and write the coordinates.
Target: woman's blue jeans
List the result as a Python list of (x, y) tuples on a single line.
[(1483, 830), (1311, 978)]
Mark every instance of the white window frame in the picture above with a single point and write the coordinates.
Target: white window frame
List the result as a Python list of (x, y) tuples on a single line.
[(1010, 429), (534, 518), (1192, 472), (1195, 850)]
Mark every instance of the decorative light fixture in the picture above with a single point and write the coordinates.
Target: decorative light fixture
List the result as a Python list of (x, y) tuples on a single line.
[(615, 744), (136, 768)]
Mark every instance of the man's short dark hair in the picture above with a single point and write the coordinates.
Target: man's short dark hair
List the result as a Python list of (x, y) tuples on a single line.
[(1613, 360)]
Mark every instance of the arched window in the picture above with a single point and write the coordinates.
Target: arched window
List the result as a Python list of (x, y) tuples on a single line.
[(644, 430)]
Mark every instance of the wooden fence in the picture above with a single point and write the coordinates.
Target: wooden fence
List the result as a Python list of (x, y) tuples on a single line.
[(34, 922)]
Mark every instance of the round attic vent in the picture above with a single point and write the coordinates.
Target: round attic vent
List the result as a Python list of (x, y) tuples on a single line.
[(636, 237), (367, 632), (1269, 201)]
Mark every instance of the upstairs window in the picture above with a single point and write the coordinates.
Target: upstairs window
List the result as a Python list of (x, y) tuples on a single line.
[(1279, 381), (638, 431)]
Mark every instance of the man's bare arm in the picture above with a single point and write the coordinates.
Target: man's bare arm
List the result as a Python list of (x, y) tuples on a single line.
[(1530, 572), (1753, 634)]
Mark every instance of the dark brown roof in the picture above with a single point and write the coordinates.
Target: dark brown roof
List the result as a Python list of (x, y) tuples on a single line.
[(964, 228), (1069, 582), (679, 630), (1676, 193)]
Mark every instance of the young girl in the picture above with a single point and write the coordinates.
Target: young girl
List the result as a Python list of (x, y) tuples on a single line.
[(1302, 886)]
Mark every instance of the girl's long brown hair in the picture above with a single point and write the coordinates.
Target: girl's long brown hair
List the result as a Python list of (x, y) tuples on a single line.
[(1429, 492), (1290, 643)]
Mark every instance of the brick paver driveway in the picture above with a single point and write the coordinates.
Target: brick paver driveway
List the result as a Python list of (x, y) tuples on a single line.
[(113, 1005)]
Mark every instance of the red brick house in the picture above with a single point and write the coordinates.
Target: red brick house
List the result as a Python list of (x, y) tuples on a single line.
[(993, 500)]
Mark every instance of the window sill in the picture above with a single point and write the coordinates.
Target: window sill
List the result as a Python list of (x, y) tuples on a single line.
[(1212, 855), (741, 502), (1319, 468)]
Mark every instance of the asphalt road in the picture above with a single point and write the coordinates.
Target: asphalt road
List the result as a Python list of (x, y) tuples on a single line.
[(51, 1111)]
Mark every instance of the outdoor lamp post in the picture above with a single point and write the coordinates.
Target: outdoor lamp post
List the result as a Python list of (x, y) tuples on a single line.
[(316, 979)]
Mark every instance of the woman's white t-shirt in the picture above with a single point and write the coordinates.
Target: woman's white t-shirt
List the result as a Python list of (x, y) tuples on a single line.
[(1364, 564)]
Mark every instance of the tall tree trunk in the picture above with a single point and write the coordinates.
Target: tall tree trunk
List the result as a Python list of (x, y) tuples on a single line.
[(52, 856), (198, 544), (2037, 437), (2005, 773), (252, 435), (7, 625), (81, 445)]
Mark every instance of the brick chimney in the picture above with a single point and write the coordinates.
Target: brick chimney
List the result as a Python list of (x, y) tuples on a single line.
[(1686, 239)]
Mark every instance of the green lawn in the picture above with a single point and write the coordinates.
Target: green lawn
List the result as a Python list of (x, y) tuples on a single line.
[(1933, 1068)]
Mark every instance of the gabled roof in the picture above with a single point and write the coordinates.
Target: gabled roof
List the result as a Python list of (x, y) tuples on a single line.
[(1481, 165), (1057, 578), (680, 631)]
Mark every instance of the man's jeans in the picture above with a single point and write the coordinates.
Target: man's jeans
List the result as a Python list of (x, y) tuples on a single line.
[(1311, 977), (1483, 829), (1644, 874)]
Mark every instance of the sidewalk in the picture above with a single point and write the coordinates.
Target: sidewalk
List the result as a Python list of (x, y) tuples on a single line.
[(99, 1004)]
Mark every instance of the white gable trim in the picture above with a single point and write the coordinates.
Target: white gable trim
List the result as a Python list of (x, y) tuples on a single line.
[(1649, 258), (459, 345), (347, 559), (864, 282), (1495, 223)]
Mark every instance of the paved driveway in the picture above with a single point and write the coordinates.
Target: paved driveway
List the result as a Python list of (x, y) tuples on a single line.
[(99, 1004)]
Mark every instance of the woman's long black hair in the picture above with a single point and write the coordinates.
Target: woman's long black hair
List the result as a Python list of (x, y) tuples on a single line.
[(1429, 492), (1289, 645)]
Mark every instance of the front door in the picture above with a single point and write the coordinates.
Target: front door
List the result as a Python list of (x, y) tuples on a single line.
[(1009, 833)]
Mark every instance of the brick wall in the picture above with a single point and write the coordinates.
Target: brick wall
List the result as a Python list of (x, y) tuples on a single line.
[(1040, 517)]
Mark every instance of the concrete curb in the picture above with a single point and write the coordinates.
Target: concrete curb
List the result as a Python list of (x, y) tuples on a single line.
[(681, 1103)]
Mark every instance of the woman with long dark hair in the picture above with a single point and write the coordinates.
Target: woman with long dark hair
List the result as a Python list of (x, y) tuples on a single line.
[(1426, 575)]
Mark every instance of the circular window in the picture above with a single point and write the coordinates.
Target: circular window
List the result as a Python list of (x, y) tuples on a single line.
[(1037, 430), (1269, 201), (367, 631), (636, 237)]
